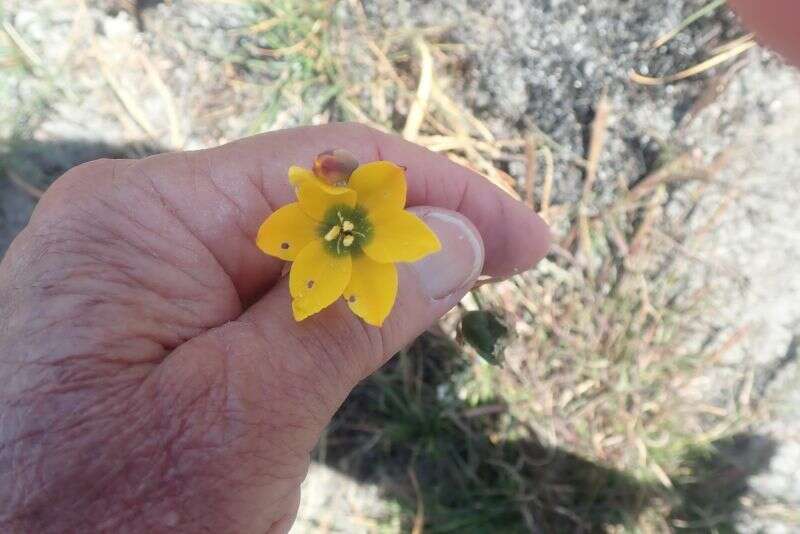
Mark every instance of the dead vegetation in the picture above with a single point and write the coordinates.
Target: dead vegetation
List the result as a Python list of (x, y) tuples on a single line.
[(592, 423)]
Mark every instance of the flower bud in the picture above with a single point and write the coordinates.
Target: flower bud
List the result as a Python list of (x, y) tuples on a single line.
[(334, 167)]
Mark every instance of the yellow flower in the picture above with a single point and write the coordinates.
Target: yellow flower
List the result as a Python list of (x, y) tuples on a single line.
[(344, 241)]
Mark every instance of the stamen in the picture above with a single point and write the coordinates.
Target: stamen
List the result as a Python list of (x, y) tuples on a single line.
[(347, 226), (348, 240), (333, 233)]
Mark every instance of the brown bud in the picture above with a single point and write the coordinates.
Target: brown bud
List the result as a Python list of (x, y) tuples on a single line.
[(335, 166)]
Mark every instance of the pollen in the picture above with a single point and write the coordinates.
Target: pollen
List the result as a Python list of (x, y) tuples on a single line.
[(348, 240), (347, 226), (333, 233)]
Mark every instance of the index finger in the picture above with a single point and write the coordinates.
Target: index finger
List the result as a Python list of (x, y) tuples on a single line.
[(222, 195), (775, 23), (514, 236)]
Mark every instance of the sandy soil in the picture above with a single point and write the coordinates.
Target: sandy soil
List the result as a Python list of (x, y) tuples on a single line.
[(527, 63)]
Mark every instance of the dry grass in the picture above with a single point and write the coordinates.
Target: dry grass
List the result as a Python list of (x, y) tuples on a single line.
[(607, 328), (607, 342), (592, 423)]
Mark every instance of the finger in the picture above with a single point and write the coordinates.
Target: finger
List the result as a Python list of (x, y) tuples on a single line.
[(307, 368), (223, 194), (515, 237), (775, 23)]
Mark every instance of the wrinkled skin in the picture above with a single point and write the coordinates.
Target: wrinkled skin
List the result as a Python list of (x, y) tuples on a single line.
[(151, 376)]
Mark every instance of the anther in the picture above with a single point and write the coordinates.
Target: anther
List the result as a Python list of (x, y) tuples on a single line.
[(348, 240), (347, 226), (333, 233)]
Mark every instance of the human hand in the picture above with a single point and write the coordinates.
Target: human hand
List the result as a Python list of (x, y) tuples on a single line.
[(151, 375), (775, 24)]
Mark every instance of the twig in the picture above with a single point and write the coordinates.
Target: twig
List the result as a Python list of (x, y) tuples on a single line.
[(727, 201), (697, 69), (445, 143), (584, 237), (704, 11), (264, 25), (175, 135), (531, 168), (715, 87), (599, 130), (30, 55), (547, 187), (420, 104), (295, 48), (419, 516), (617, 237), (561, 149), (651, 214), (737, 337), (732, 44), (718, 268), (127, 101), (449, 106), (385, 62), (669, 172), (503, 181), (356, 111), (661, 475), (31, 189)]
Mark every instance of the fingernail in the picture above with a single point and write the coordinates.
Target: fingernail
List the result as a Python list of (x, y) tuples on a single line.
[(459, 263)]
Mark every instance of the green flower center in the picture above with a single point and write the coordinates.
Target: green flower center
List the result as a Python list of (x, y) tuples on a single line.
[(345, 229)]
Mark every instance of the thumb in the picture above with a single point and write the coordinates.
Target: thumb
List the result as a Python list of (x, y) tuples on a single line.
[(426, 290), (300, 372)]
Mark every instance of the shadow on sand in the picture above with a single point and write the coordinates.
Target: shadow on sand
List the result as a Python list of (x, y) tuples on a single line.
[(401, 430)]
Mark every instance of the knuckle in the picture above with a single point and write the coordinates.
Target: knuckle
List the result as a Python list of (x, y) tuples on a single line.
[(273, 374), (75, 192), (79, 176)]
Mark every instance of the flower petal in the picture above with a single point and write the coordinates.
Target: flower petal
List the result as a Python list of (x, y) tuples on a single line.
[(317, 279), (400, 236), (372, 289), (286, 231), (316, 197), (381, 185), (300, 175)]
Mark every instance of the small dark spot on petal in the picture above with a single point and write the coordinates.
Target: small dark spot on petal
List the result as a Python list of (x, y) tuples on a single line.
[(310, 284), (284, 246), (352, 298)]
